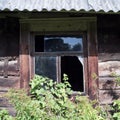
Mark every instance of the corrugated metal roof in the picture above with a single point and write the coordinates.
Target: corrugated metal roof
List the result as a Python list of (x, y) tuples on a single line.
[(58, 5)]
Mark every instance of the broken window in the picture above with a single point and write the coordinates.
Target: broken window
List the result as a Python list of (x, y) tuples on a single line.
[(56, 55)]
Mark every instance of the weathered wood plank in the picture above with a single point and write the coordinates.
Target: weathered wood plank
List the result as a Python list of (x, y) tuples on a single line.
[(85, 50), (104, 57), (63, 26), (108, 83), (92, 61), (109, 67), (4, 102), (10, 82), (12, 68), (24, 56), (58, 24), (109, 63)]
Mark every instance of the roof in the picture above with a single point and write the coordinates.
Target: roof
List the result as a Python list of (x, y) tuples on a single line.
[(58, 5)]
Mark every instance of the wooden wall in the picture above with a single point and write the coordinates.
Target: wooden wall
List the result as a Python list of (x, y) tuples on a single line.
[(9, 53), (109, 57), (108, 33)]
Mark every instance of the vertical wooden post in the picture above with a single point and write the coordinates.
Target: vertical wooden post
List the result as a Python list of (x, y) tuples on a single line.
[(6, 68), (24, 55), (92, 61)]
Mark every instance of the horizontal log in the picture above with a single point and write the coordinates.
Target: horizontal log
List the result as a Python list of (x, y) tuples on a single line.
[(4, 102), (107, 96), (10, 82), (9, 58), (108, 57), (108, 83), (108, 68), (63, 26), (60, 24), (12, 68)]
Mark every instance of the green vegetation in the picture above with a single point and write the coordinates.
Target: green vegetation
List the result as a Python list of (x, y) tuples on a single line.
[(116, 110), (117, 78), (4, 115), (49, 100)]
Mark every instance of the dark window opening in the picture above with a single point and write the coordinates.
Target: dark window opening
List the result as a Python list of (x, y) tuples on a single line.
[(39, 43), (72, 66)]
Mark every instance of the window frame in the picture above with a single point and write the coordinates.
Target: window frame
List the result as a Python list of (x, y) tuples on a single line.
[(58, 55), (87, 24)]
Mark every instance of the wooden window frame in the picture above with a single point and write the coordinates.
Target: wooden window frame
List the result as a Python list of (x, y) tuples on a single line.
[(58, 55), (45, 25)]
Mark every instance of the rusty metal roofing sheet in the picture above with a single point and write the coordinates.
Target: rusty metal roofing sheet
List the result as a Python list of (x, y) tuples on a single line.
[(58, 5)]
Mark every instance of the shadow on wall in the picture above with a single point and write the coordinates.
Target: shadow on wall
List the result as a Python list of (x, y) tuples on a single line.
[(9, 37)]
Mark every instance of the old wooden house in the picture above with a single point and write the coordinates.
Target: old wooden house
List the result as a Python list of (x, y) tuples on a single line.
[(50, 37)]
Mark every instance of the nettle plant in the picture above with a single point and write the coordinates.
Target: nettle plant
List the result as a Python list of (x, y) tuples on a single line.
[(49, 100), (117, 78), (56, 100), (116, 110), (116, 103), (4, 115)]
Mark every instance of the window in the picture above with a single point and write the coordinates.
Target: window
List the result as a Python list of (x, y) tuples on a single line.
[(60, 54), (58, 44), (55, 55)]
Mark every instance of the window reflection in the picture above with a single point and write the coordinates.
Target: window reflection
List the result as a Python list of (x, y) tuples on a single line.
[(54, 44), (58, 44), (45, 66)]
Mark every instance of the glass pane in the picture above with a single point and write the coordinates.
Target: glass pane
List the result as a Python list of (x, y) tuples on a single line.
[(57, 44), (45, 66)]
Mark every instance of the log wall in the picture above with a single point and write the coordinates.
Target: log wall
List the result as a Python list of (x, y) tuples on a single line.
[(9, 53), (109, 57), (108, 32)]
